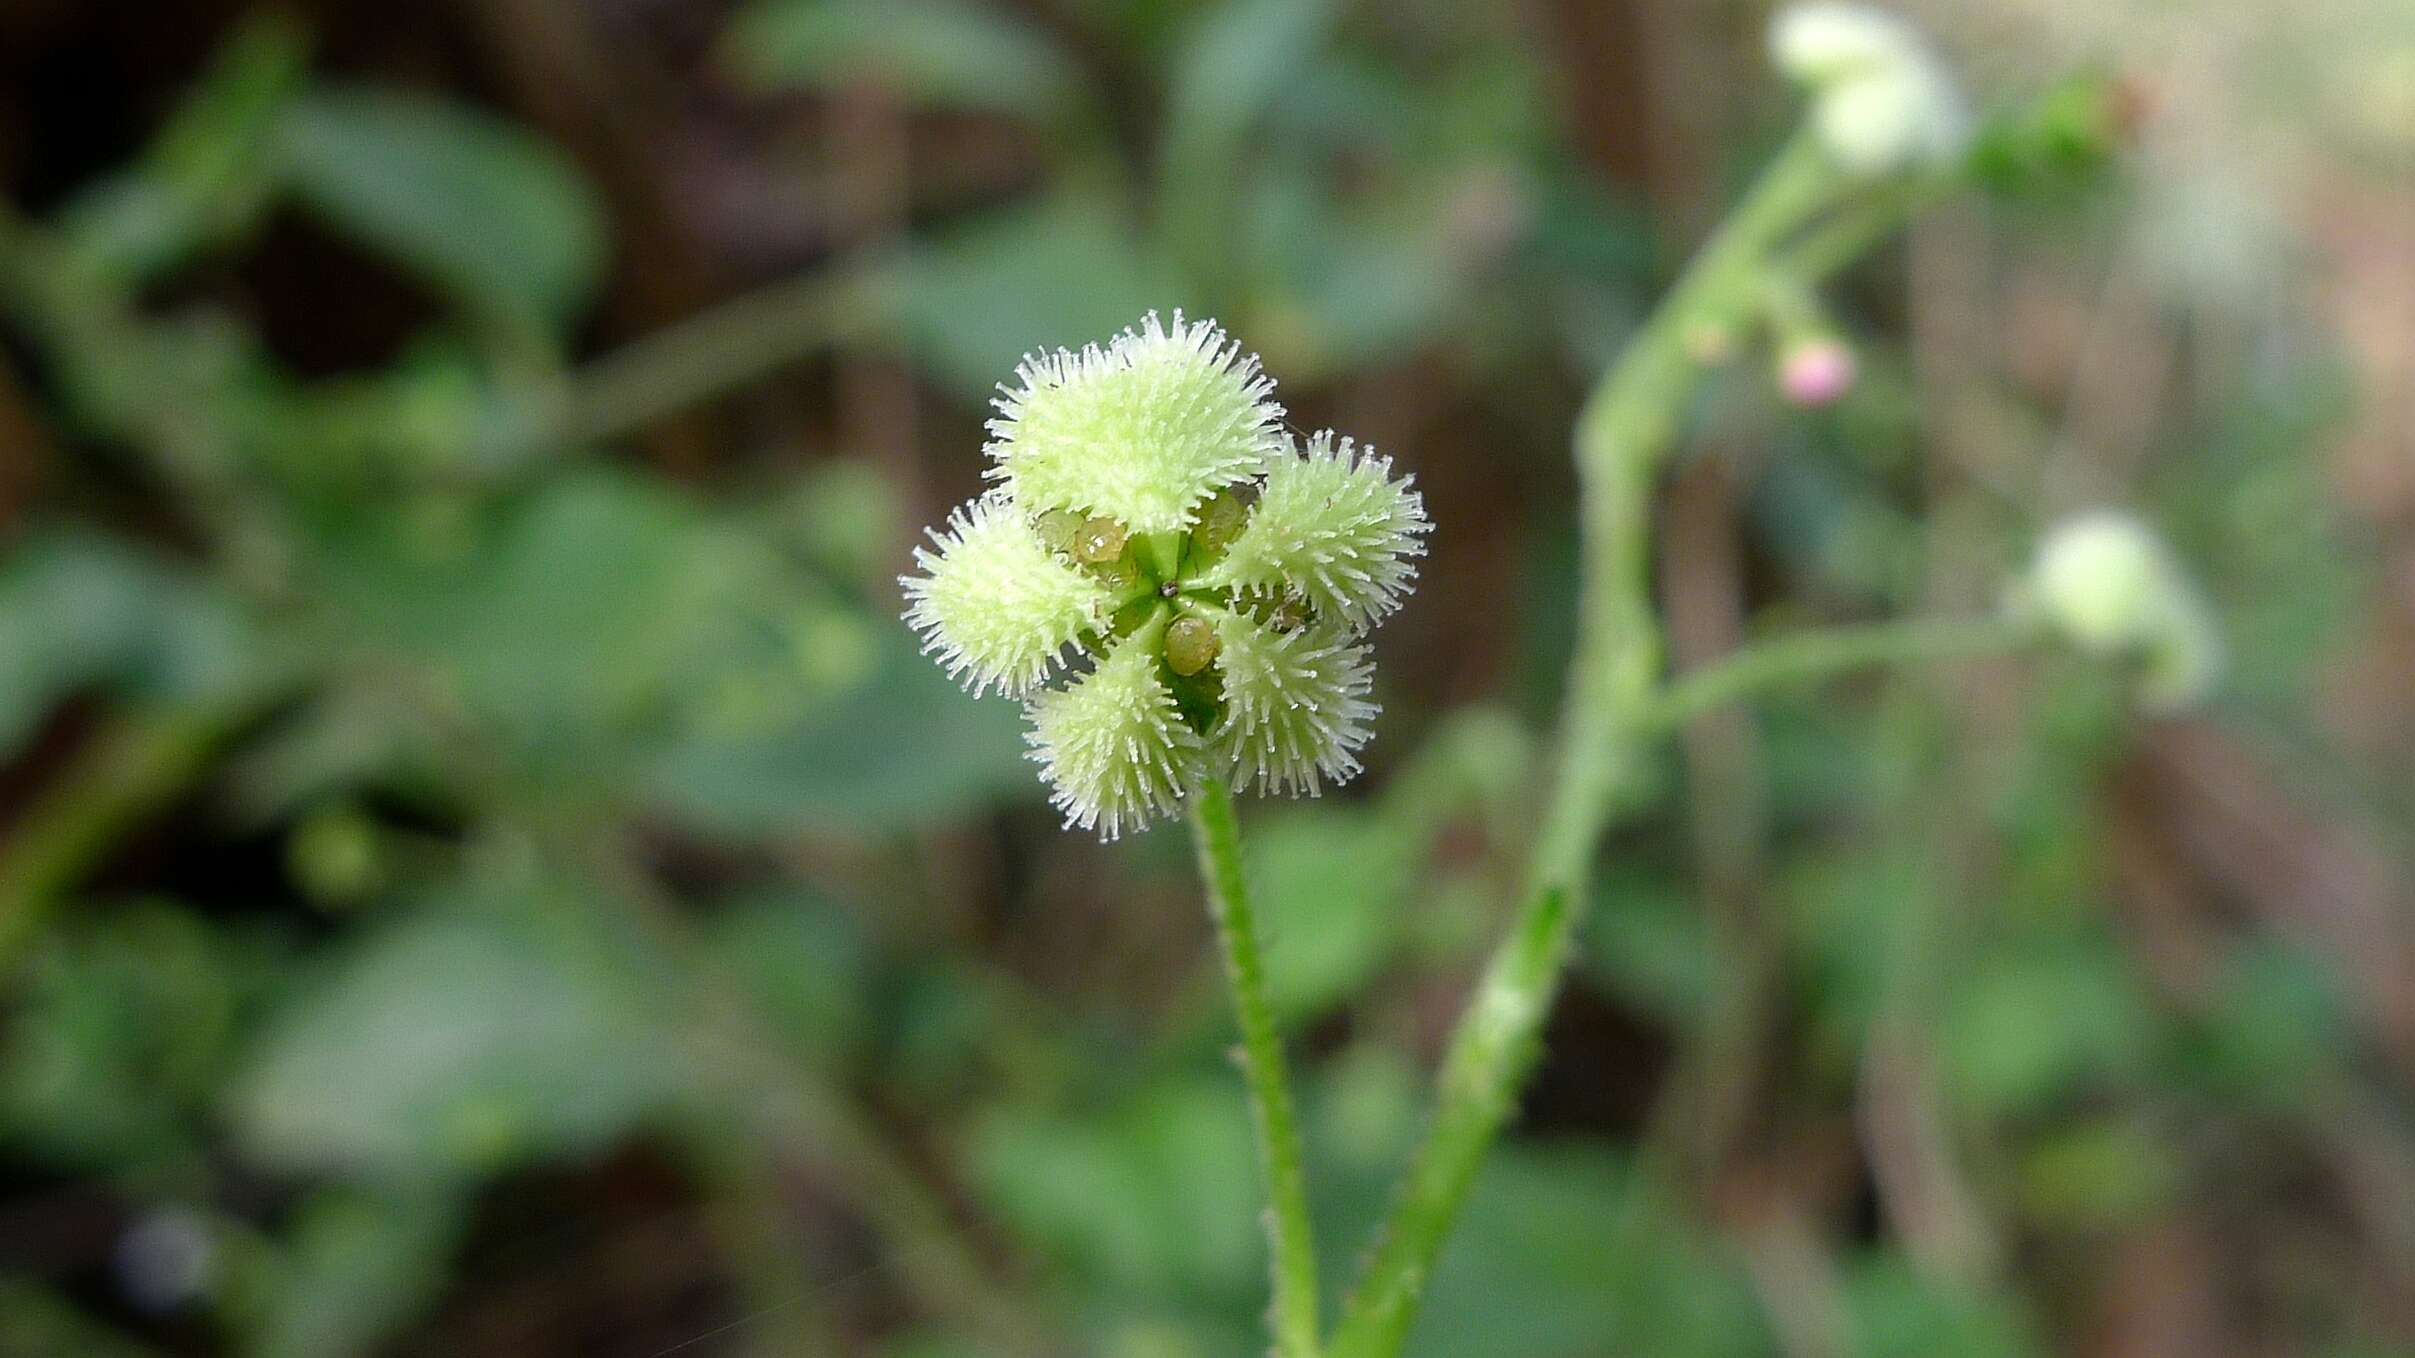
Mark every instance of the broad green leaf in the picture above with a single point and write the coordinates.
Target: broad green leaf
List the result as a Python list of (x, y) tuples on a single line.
[(934, 52), (1529, 1272), (1334, 889), (78, 609), (475, 1033), (357, 1266), (209, 172), (479, 207), (1065, 271), (899, 746)]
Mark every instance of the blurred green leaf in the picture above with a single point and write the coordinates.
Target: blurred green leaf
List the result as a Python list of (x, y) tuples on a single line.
[(1334, 889), (934, 52), (2096, 1173), (208, 174), (2030, 1024), (900, 746), (120, 1037), (38, 1323), (1526, 1273), (1898, 1312), (1154, 1198), (1236, 60), (79, 609), (2278, 1021), (807, 967), (574, 618), (356, 1266), (480, 207), (475, 1033), (1063, 271), (1651, 944)]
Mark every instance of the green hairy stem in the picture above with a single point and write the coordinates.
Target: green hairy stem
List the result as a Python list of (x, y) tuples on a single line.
[(1217, 834)]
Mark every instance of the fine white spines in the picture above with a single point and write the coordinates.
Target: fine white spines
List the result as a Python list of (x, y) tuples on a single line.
[(1881, 102), (996, 606), (1296, 706), (1333, 527), (1140, 431), (1113, 747)]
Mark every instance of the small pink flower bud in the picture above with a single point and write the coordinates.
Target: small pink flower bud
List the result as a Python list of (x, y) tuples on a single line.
[(1814, 372)]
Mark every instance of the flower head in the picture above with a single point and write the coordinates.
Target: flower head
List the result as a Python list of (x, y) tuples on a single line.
[(2109, 586), (1880, 101), (1196, 587)]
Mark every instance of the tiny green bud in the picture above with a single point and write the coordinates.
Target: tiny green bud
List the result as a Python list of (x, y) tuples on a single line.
[(1057, 529), (1099, 541), (1191, 645), (1220, 521)]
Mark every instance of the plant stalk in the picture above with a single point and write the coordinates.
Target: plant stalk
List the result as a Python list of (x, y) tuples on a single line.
[(1216, 833), (1623, 437), (1830, 651)]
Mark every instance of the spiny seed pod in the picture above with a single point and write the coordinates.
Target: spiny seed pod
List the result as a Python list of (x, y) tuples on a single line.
[(1334, 528), (1881, 103), (1213, 580), (2107, 584), (1140, 431), (997, 607), (1114, 745), (1296, 707)]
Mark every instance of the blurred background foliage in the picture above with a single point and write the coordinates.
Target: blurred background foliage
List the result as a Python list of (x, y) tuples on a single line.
[(484, 871)]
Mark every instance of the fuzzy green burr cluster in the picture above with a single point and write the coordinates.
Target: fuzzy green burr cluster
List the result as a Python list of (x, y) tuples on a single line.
[(1173, 584)]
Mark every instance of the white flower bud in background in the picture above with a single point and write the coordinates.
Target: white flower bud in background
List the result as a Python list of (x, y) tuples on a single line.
[(2107, 584), (1881, 102), (1196, 586)]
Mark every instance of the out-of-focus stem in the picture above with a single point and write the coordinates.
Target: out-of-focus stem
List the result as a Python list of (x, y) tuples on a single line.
[(1217, 834), (1623, 436), (136, 765), (1830, 651)]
